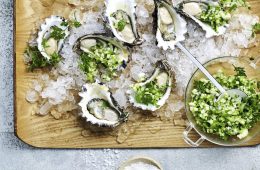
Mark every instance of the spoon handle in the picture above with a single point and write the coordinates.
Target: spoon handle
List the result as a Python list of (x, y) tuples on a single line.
[(201, 67)]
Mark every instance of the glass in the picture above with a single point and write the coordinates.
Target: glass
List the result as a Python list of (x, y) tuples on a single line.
[(226, 65)]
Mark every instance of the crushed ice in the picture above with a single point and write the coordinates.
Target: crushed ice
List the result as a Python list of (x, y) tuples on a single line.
[(57, 89)]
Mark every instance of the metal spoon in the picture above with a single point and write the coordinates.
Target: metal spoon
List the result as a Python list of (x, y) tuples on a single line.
[(231, 92)]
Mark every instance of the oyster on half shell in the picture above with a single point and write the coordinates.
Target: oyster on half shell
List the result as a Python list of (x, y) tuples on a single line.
[(193, 10), (84, 44), (101, 57), (171, 27), (51, 36), (152, 93), (120, 16), (99, 107)]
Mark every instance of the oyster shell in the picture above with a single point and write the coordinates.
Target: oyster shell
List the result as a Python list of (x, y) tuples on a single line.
[(171, 27), (85, 45), (162, 77), (120, 16), (47, 44), (193, 8), (99, 107)]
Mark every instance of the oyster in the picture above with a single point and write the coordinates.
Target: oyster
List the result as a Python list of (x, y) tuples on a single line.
[(99, 107), (171, 27), (194, 8), (120, 16), (51, 36), (101, 56), (152, 93)]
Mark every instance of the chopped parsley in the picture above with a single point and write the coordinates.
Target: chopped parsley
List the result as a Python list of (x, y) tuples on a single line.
[(57, 33), (38, 61), (76, 24), (240, 71), (64, 24), (150, 93), (121, 19), (44, 43), (229, 116), (255, 29), (55, 59), (71, 23), (101, 60), (120, 25)]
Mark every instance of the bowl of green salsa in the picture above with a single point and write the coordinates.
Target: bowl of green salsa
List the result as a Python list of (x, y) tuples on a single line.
[(230, 120)]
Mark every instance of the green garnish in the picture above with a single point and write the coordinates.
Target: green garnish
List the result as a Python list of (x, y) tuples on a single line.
[(105, 104), (151, 93), (71, 23), (214, 16), (219, 15), (76, 24), (229, 116), (103, 56), (239, 71), (57, 33), (38, 61), (55, 59), (120, 25), (121, 19), (255, 29), (232, 5), (44, 43), (64, 23), (88, 66)]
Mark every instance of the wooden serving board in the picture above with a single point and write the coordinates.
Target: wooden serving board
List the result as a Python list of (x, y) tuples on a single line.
[(46, 132)]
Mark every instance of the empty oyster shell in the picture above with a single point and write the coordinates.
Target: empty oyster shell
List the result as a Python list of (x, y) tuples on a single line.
[(99, 107), (47, 44), (162, 77), (120, 16), (171, 27), (193, 9)]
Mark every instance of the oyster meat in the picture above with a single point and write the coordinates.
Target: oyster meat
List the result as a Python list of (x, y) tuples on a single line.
[(101, 57), (99, 107), (51, 36), (152, 93), (171, 27), (194, 8), (120, 16)]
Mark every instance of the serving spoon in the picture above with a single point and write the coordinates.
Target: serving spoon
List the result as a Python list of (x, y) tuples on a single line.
[(230, 92)]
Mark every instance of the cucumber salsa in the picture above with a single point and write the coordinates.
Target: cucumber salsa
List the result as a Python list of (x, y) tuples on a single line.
[(229, 116)]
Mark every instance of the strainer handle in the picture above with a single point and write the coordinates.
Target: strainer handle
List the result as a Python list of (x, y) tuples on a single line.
[(188, 140)]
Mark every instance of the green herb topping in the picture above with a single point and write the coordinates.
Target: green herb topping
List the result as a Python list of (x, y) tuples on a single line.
[(219, 15), (229, 116), (150, 93), (57, 33), (255, 29), (102, 59), (38, 61), (240, 71), (71, 23), (44, 43), (232, 5), (120, 25), (121, 19), (214, 16)]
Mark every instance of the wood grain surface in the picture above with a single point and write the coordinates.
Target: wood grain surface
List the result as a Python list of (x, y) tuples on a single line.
[(46, 132)]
